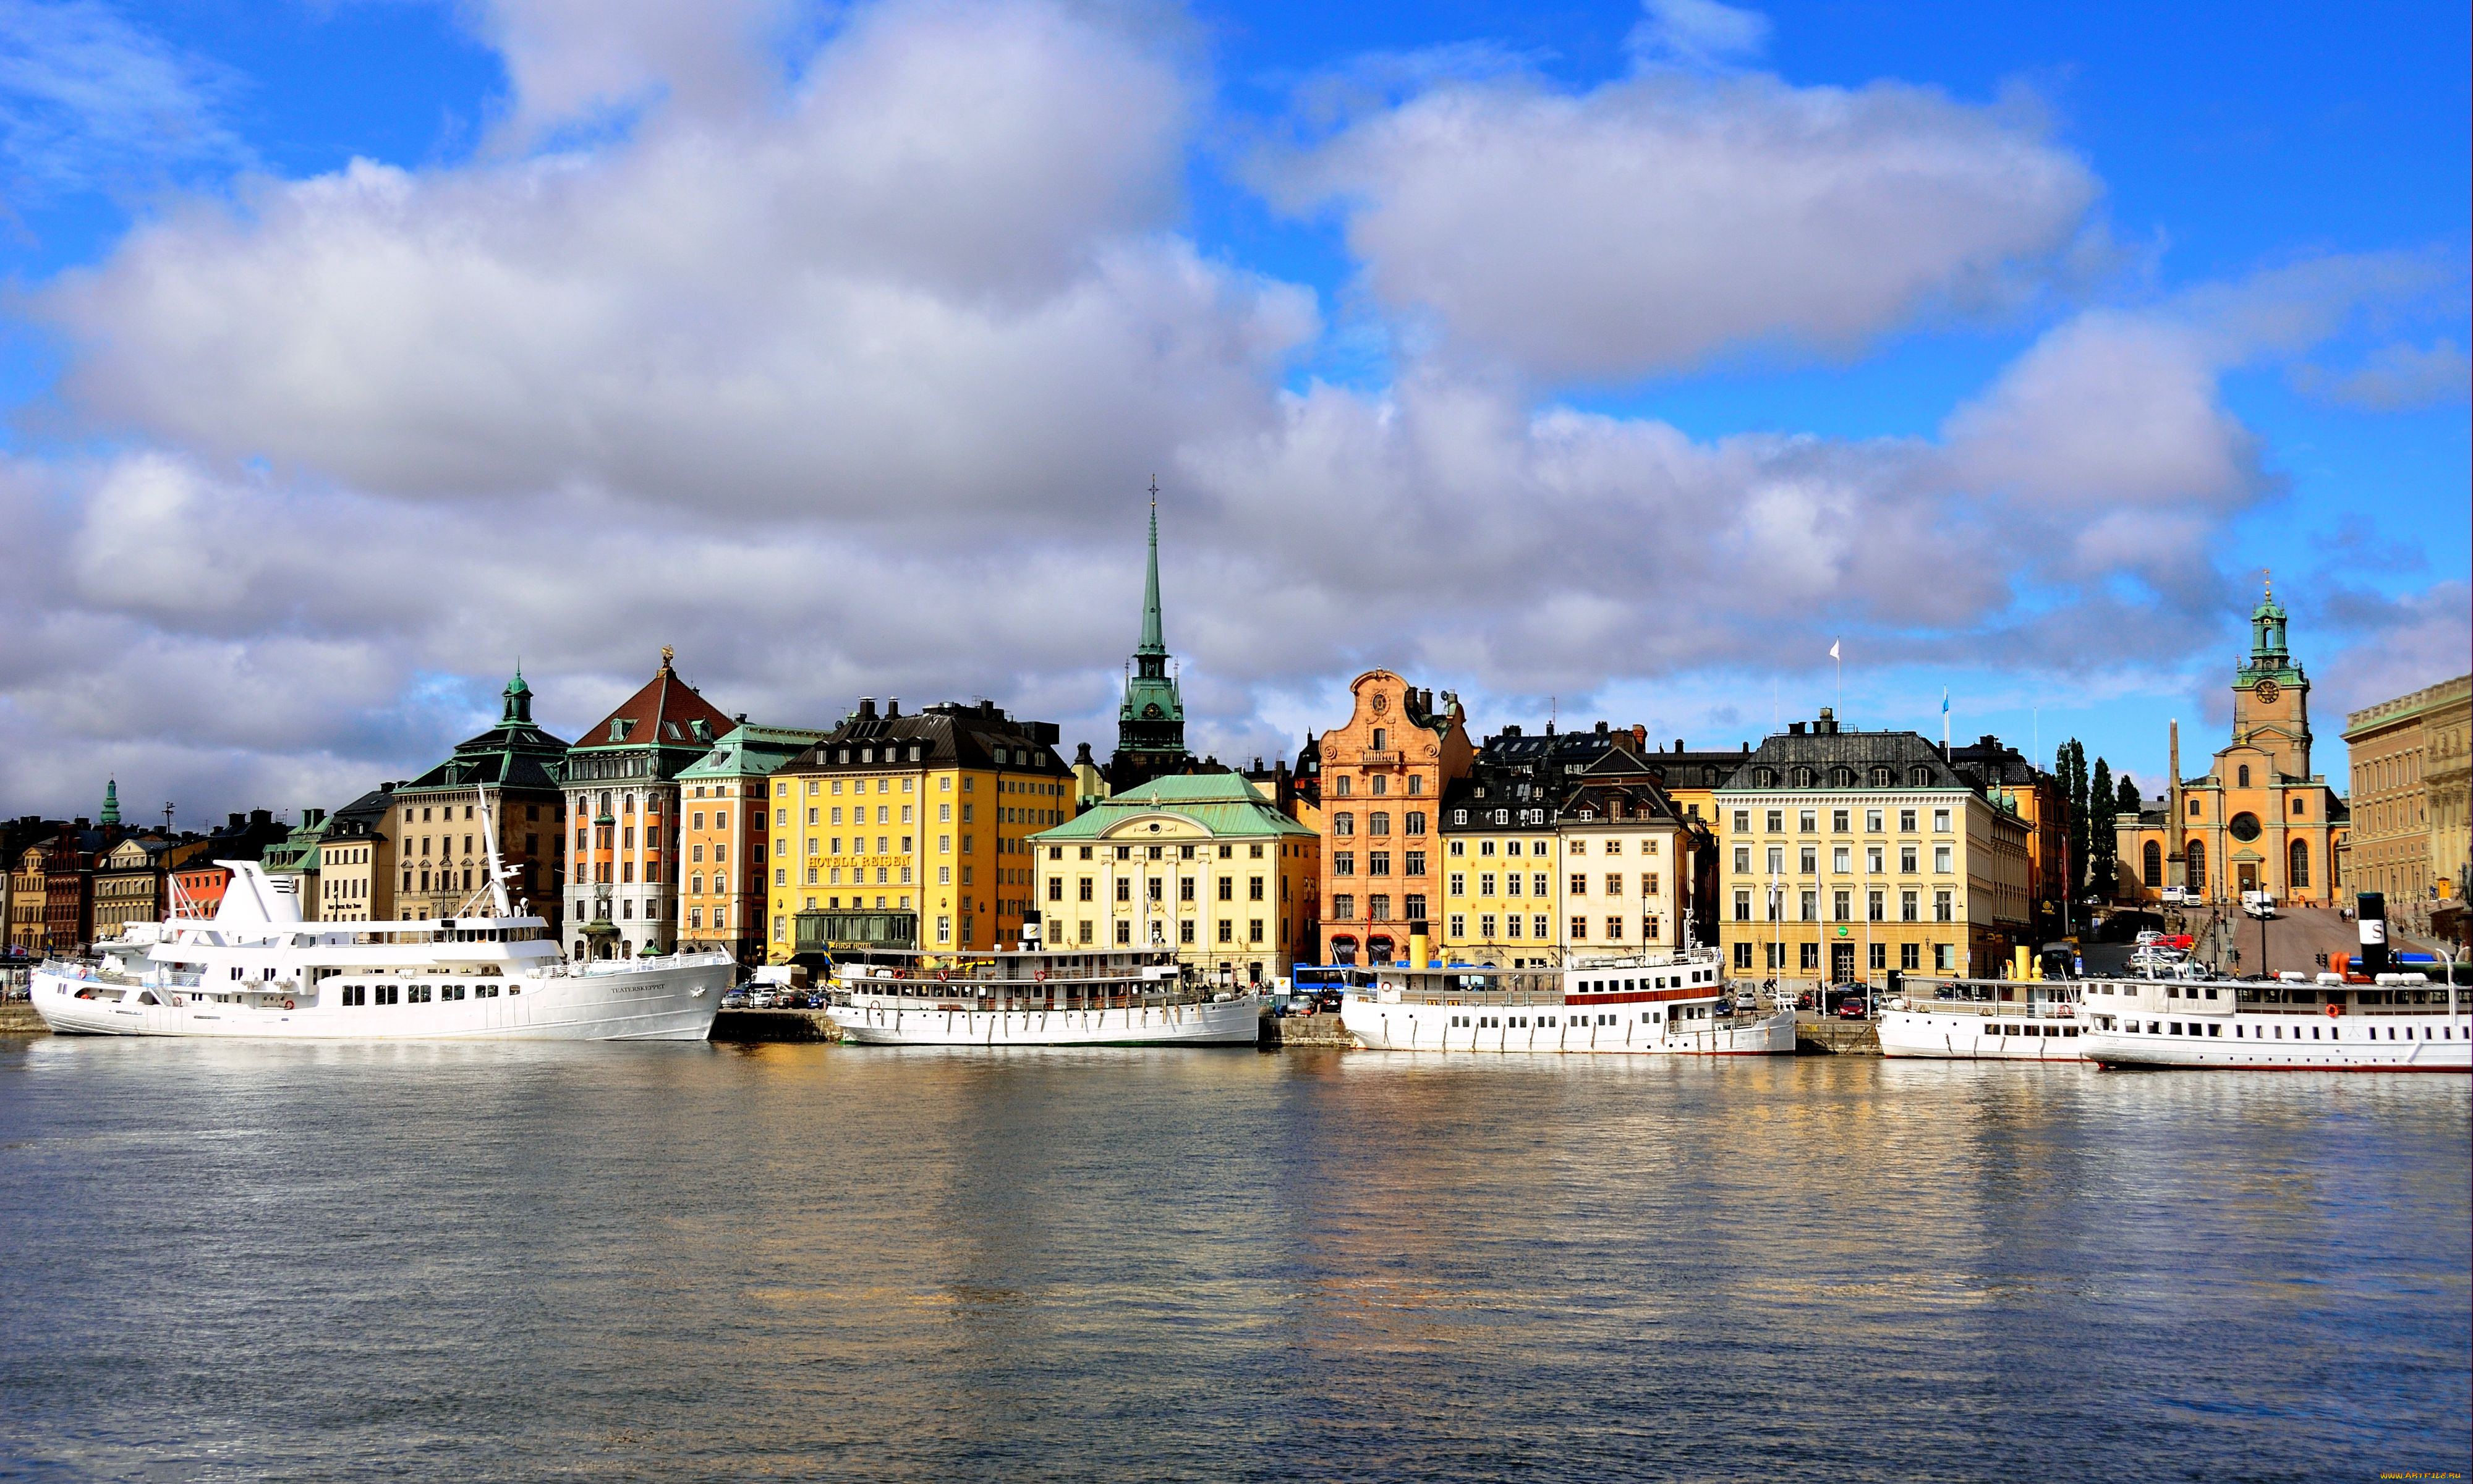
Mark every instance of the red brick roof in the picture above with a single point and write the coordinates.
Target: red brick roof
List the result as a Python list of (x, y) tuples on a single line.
[(662, 714)]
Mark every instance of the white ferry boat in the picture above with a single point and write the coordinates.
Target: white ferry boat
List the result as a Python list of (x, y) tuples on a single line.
[(255, 969), (1987, 1021), (2400, 1024), (1643, 1005), (1032, 997)]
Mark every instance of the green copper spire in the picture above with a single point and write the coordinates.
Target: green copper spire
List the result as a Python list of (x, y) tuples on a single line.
[(112, 801), (1150, 724), (1154, 640)]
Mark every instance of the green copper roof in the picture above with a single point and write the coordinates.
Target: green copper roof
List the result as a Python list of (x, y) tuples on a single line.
[(752, 752), (1154, 636), (1222, 803)]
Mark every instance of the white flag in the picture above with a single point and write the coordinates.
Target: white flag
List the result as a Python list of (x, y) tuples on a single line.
[(1833, 649)]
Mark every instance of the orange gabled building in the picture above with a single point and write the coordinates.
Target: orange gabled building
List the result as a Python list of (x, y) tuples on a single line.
[(1382, 776), (624, 834)]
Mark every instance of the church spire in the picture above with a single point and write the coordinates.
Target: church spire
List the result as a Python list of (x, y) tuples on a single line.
[(1154, 638), (111, 800)]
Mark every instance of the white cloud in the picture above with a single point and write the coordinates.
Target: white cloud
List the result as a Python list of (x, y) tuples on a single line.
[(1696, 34), (851, 390), (1656, 221), (585, 62), (88, 101), (2395, 377)]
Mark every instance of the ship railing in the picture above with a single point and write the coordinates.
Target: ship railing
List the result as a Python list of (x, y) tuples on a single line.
[(1056, 995)]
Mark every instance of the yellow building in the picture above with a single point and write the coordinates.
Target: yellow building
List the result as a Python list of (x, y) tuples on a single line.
[(1850, 854), (2409, 830), (1202, 863), (2259, 820), (27, 895), (911, 831)]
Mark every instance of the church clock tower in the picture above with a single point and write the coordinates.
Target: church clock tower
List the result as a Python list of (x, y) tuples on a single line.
[(2272, 695), (1150, 724)]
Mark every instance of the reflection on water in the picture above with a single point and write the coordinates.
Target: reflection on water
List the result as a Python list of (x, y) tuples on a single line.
[(809, 1262)]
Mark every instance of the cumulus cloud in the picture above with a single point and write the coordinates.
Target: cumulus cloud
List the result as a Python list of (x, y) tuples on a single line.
[(577, 64), (1651, 223), (851, 390)]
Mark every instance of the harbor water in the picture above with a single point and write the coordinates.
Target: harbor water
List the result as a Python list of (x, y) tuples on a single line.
[(238, 1261)]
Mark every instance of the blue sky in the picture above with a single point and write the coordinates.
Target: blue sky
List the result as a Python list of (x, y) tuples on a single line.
[(1609, 358)]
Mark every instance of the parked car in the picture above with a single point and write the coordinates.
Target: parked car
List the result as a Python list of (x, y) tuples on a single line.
[(1853, 1009), (734, 1000), (1725, 1004)]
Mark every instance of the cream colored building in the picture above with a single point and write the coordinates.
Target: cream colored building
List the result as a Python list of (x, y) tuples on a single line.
[(1850, 854), (1201, 863), (2410, 832)]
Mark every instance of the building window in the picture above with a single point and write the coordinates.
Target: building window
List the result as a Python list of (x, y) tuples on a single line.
[(2298, 875), (1876, 906), (2197, 866), (1944, 906), (1378, 823), (1343, 905), (1124, 933), (1743, 908), (1378, 907), (1458, 928), (1907, 860), (1880, 955), (2152, 858), (1908, 906), (1580, 928), (1941, 859)]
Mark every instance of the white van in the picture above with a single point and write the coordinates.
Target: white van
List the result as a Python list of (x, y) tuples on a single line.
[(2259, 904)]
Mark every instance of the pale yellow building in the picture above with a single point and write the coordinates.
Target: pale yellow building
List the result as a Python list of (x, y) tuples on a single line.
[(1201, 863), (2411, 831), (1851, 855)]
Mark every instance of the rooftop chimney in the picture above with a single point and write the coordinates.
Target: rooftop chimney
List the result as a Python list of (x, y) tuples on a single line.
[(1795, 728), (892, 709), (1678, 744), (867, 708)]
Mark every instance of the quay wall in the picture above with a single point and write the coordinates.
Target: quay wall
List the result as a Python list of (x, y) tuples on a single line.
[(17, 1017), (774, 1026), (1314, 1030)]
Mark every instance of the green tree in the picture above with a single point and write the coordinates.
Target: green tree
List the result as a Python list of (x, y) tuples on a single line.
[(2102, 843), (2070, 764), (2126, 798)]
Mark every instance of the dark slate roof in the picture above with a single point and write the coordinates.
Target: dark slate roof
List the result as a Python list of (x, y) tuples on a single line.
[(1825, 751), (1617, 801), (950, 735), (1987, 760)]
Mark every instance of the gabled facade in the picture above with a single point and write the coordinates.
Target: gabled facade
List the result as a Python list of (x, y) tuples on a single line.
[(1382, 774), (1201, 863), (441, 861), (131, 885), (622, 800), (723, 796)]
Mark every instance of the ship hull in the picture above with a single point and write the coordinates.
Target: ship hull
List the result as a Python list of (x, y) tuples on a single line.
[(656, 1002), (1923, 1035), (1385, 1026), (2350, 1044), (873, 1022)]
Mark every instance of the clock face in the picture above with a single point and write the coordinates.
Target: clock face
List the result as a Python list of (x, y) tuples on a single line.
[(1152, 712), (2268, 692)]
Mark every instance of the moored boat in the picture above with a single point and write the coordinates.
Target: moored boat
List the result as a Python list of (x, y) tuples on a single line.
[(1985, 1020), (2399, 1023), (256, 969), (1642, 1005), (1028, 996)]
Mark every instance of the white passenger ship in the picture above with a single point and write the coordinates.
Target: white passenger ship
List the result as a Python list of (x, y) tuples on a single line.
[(1642, 1005), (2402, 1023), (1987, 1021), (256, 969), (1031, 997)]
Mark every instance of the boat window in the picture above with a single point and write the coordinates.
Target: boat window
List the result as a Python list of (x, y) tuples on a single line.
[(2215, 1030), (417, 994), (387, 993)]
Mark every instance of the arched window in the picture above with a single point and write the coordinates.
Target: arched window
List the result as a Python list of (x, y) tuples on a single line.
[(2299, 874), (2198, 865), (2155, 863), (2241, 774)]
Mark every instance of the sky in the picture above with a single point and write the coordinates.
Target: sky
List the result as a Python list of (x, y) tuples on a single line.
[(1588, 360)]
